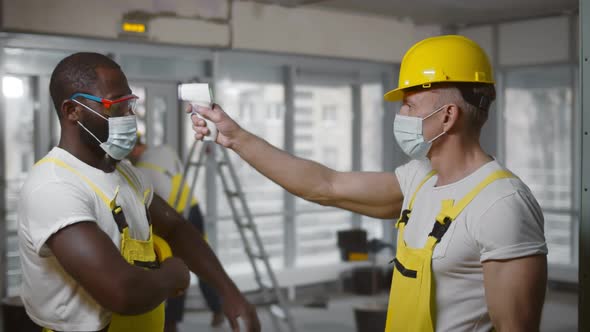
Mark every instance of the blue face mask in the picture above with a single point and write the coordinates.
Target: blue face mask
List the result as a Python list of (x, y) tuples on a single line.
[(122, 134), (408, 131)]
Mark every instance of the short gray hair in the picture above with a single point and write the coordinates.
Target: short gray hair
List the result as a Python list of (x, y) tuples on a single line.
[(472, 98)]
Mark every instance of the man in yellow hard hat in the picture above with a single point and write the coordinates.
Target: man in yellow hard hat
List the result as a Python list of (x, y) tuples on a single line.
[(471, 252)]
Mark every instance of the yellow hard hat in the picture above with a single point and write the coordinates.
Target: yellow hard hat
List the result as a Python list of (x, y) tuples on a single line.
[(450, 58)]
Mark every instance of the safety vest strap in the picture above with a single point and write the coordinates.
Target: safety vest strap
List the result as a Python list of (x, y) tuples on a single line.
[(154, 167), (453, 210), (110, 203), (405, 216), (449, 211)]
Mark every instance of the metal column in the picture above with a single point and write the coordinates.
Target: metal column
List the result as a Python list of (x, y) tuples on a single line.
[(290, 230), (584, 256), (356, 128)]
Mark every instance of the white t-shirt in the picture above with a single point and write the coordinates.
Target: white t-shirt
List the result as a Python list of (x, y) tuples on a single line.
[(165, 157), (52, 198), (504, 221)]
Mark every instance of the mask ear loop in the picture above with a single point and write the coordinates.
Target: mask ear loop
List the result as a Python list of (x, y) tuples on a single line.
[(431, 114), (435, 111), (88, 108), (93, 111)]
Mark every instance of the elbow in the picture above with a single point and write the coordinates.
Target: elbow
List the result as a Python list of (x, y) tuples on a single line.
[(121, 298)]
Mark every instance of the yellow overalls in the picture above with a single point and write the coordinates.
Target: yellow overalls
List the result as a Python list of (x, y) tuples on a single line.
[(412, 303), (147, 254)]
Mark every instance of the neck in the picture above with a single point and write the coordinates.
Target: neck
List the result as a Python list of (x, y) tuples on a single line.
[(94, 157), (456, 157)]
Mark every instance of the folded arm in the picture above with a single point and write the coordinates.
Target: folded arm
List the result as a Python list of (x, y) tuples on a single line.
[(88, 255)]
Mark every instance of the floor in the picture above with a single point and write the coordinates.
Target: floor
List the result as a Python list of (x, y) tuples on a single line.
[(560, 314)]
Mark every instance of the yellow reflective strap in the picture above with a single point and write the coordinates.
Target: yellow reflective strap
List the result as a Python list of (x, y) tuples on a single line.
[(428, 176), (184, 194), (175, 184), (151, 166), (97, 190), (453, 211)]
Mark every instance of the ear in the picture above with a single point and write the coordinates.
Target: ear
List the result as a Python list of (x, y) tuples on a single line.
[(70, 111), (451, 115)]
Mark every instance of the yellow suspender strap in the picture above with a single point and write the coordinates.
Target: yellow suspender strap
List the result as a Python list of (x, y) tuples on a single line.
[(110, 203), (406, 213), (426, 178), (453, 210)]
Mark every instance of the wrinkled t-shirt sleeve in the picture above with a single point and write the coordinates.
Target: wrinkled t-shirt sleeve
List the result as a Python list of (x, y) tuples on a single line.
[(52, 206), (511, 227)]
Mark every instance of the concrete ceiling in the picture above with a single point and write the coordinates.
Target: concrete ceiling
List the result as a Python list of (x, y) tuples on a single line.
[(452, 12)]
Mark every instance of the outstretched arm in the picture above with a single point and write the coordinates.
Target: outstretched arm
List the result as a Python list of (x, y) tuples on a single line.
[(372, 194)]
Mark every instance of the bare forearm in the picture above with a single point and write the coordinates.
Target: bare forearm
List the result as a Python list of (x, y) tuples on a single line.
[(187, 243), (301, 177), (145, 290)]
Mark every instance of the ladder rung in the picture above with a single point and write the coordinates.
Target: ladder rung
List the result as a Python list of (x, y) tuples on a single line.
[(246, 225), (232, 193), (265, 286), (278, 311)]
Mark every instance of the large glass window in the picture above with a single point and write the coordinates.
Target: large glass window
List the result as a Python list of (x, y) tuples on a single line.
[(260, 108), (372, 143), (18, 131), (323, 133), (538, 114)]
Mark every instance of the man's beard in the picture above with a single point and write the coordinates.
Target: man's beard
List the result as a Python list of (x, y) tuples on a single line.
[(89, 141)]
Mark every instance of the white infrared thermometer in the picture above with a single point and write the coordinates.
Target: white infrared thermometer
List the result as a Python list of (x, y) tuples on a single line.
[(199, 94)]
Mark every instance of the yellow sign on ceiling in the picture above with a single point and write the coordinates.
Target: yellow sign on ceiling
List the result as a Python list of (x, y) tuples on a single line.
[(134, 27)]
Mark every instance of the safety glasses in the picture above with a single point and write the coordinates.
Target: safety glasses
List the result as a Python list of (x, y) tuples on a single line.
[(113, 108)]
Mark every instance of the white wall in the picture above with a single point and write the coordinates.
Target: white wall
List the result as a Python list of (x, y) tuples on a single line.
[(529, 42), (257, 27)]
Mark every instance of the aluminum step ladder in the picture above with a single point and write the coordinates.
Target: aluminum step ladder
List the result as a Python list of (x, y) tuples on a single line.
[(264, 275)]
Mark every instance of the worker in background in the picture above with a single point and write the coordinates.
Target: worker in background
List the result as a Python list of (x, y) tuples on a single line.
[(92, 233), (162, 166), (471, 251)]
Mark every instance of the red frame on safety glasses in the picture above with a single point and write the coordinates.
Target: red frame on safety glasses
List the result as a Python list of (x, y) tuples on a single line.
[(107, 103)]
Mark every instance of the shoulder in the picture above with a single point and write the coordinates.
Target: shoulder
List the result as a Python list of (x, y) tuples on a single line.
[(410, 174), (511, 189), (53, 172)]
